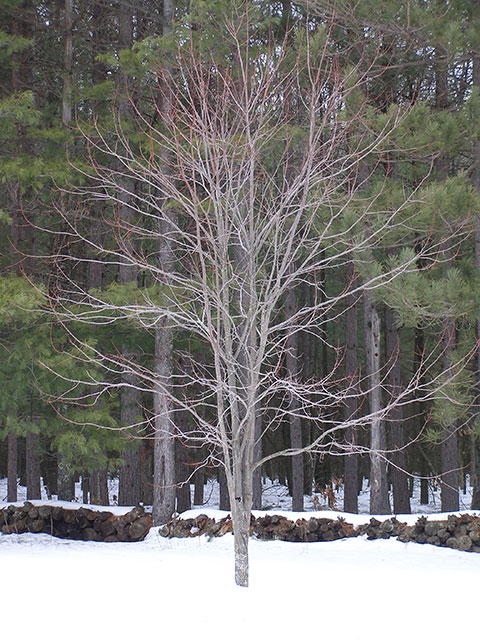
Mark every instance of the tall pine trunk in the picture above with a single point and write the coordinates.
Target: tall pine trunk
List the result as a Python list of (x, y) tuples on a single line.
[(350, 501), (12, 465), (476, 183), (164, 438), (296, 439), (449, 446), (129, 490), (379, 502), (33, 466), (401, 498)]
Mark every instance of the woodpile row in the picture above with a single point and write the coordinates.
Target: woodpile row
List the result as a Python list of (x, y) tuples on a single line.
[(76, 524), (458, 532)]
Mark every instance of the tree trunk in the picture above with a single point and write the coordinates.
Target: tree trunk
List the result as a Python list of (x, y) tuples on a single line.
[(379, 502), (12, 465), (183, 468), (129, 491), (223, 489), (476, 183), (449, 446), (33, 466), (351, 490), (99, 487), (257, 454), (146, 472), (199, 485), (241, 533), (401, 500), (296, 439), (66, 484), (164, 444), (129, 486)]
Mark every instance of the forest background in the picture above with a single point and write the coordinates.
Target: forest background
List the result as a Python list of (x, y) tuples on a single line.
[(375, 367)]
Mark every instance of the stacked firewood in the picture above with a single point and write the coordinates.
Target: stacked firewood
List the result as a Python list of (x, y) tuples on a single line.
[(268, 527), (76, 524), (458, 532)]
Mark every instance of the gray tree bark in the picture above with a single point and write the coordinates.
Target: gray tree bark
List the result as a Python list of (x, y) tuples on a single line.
[(257, 474), (379, 502), (66, 484), (401, 498), (350, 501), (33, 466), (164, 444), (12, 464), (475, 471), (449, 447), (296, 439), (129, 491), (99, 487)]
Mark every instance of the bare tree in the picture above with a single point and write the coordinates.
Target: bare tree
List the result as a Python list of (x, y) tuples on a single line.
[(246, 183)]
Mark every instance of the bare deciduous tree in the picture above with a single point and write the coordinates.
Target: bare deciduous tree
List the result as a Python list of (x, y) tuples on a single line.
[(247, 178)]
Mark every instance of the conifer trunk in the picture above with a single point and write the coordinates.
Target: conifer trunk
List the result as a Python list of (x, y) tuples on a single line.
[(475, 481), (401, 499), (33, 466), (12, 464), (350, 501), (296, 439), (164, 444), (449, 446), (379, 502), (129, 490)]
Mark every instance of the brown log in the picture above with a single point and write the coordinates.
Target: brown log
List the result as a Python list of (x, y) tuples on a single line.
[(107, 527), (139, 529), (89, 534)]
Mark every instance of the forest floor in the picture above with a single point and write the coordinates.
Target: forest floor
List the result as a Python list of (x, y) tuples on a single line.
[(350, 589)]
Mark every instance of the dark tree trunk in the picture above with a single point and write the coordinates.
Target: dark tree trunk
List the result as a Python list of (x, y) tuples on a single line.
[(146, 470), (129, 486), (85, 489), (423, 491), (99, 487), (401, 500), (65, 482), (475, 480), (223, 488), (183, 468), (351, 489), (164, 443), (12, 465), (379, 502), (296, 438), (257, 474), (33, 466), (129, 491), (199, 484)]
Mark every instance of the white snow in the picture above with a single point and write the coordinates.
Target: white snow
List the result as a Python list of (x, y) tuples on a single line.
[(348, 589)]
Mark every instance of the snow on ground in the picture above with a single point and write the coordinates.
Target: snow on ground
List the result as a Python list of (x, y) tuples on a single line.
[(350, 589)]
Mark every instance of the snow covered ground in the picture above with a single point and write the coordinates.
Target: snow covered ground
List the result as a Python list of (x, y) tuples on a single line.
[(350, 589)]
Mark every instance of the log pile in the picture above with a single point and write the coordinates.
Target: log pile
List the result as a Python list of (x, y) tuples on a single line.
[(76, 524), (268, 527), (458, 532)]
